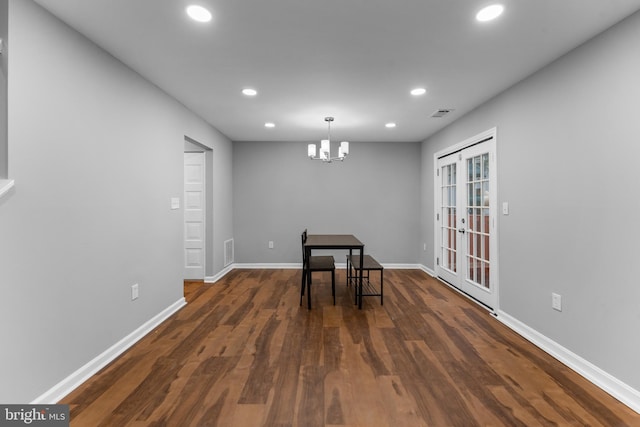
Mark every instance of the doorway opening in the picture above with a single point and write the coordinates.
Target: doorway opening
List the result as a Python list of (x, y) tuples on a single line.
[(198, 208)]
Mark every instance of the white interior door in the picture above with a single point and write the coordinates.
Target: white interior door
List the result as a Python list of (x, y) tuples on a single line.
[(466, 238), (194, 215)]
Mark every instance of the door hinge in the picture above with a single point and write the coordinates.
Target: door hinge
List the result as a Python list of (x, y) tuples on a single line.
[(438, 172), (437, 261), (437, 217)]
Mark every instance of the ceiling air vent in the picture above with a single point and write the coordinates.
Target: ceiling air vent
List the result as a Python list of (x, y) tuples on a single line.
[(441, 112)]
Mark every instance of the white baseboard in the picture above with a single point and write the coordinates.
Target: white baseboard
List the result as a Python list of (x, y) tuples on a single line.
[(267, 265), (392, 266), (66, 386), (616, 388), (297, 265), (427, 270), (219, 275)]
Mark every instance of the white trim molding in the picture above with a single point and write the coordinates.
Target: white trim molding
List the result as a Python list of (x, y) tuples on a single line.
[(427, 270), (5, 186), (616, 388), (392, 266), (298, 266), (219, 275), (286, 265), (67, 385)]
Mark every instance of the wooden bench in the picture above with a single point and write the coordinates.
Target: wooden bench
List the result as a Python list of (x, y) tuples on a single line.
[(367, 287)]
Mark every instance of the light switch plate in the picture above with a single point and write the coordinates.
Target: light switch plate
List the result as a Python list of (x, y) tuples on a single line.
[(505, 208), (175, 203)]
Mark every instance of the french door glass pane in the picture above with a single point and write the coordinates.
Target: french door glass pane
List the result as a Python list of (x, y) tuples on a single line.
[(478, 231), (485, 166), (448, 250)]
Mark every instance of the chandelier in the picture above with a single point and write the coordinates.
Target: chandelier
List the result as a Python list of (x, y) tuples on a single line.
[(325, 147)]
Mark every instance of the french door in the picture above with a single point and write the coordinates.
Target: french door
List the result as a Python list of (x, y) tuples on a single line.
[(466, 240)]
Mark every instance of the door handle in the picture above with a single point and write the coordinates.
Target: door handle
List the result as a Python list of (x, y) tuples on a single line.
[(462, 230)]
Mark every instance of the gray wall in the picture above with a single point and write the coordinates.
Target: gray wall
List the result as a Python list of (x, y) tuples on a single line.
[(278, 192), (568, 150), (4, 32), (96, 153)]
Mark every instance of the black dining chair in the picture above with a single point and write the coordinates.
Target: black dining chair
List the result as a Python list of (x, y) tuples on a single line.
[(313, 264)]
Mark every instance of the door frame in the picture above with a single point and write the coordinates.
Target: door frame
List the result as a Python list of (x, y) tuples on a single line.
[(493, 202)]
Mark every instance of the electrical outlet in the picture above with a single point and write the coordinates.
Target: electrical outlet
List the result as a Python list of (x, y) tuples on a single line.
[(270, 244), (175, 203), (556, 301), (134, 292)]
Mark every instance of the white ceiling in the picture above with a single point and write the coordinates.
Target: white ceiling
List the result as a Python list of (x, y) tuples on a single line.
[(355, 60)]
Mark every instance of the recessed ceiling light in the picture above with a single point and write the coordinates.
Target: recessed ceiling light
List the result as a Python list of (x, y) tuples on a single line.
[(490, 12), (418, 91), (198, 13), (269, 125), (250, 92), (390, 125)]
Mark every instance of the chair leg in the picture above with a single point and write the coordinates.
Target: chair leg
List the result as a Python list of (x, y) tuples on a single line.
[(303, 284), (360, 288), (309, 290), (381, 287)]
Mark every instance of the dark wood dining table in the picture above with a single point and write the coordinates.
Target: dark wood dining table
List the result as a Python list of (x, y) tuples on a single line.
[(334, 241)]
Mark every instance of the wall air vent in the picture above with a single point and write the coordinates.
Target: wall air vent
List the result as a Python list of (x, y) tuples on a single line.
[(441, 112), (228, 252)]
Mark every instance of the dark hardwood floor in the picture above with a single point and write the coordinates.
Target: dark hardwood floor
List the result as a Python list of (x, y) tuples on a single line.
[(244, 353)]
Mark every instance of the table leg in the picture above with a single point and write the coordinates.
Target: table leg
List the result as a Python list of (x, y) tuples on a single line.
[(308, 279), (349, 266)]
